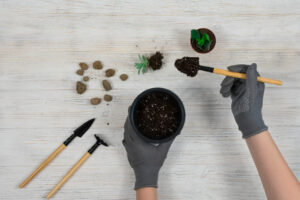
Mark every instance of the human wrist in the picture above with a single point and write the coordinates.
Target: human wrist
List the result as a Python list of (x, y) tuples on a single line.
[(145, 177), (146, 193)]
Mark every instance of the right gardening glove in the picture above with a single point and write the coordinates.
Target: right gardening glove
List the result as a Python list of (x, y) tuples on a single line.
[(247, 99)]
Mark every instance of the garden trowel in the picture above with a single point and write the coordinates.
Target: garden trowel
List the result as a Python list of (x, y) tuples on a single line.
[(77, 133)]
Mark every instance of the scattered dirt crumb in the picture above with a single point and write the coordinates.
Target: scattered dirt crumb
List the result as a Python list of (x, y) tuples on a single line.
[(97, 65), (80, 87), (83, 66), (123, 77), (106, 85), (80, 72), (107, 124), (95, 101), (86, 78), (107, 97), (110, 72)]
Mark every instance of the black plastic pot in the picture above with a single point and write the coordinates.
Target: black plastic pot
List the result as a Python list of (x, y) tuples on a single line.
[(180, 108)]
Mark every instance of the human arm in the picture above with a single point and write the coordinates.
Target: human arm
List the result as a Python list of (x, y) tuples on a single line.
[(146, 193), (247, 101), (277, 178)]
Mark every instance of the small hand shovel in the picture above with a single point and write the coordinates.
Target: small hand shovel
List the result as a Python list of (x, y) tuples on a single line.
[(238, 75), (190, 66), (77, 133), (76, 166)]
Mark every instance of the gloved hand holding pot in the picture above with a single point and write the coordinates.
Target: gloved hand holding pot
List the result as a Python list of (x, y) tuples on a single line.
[(155, 118)]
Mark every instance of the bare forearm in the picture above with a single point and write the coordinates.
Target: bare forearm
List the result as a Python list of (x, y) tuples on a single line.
[(278, 180), (147, 193)]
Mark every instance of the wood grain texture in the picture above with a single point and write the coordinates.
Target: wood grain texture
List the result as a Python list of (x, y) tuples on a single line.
[(41, 44), (42, 165)]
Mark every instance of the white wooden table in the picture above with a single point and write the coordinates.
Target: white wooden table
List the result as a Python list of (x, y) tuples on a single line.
[(41, 43)]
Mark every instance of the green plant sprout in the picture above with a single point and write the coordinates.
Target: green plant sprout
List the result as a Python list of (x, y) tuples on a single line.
[(203, 41), (142, 65)]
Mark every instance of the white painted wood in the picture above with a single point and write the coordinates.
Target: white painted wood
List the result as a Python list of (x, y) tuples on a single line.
[(41, 43)]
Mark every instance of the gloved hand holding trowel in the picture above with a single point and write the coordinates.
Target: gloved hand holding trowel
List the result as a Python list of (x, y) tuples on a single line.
[(146, 158)]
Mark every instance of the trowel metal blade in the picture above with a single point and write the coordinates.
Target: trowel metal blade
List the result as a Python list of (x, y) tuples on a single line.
[(84, 127)]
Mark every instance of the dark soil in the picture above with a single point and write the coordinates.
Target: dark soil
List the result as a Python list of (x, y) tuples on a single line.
[(188, 65), (155, 61), (157, 116)]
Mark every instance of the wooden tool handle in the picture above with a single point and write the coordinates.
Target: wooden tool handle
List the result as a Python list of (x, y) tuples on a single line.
[(68, 175), (43, 165), (243, 76)]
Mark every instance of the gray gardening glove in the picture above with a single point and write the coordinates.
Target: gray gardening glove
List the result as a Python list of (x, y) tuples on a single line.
[(145, 159), (247, 99)]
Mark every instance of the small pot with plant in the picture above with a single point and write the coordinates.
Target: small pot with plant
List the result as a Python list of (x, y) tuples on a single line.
[(154, 62), (202, 40), (157, 115)]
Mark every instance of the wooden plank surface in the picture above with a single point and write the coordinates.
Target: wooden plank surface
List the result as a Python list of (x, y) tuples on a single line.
[(41, 43)]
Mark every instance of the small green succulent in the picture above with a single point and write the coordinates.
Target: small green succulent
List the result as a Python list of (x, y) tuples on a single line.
[(142, 65), (203, 40)]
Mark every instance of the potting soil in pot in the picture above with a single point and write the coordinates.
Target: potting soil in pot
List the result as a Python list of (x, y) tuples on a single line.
[(157, 116)]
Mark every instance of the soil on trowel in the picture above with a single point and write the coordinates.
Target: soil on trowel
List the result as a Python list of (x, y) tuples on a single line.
[(155, 61), (188, 65), (157, 116)]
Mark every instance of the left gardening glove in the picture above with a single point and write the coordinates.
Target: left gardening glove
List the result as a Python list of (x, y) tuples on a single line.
[(145, 158)]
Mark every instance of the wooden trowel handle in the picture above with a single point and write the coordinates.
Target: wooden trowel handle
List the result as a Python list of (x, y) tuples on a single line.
[(69, 174), (43, 165), (243, 76)]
